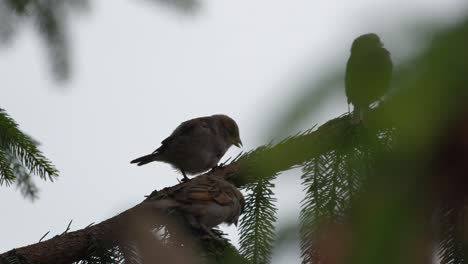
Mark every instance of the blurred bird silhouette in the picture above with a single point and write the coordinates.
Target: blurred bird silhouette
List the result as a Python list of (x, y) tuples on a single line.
[(368, 73), (196, 145)]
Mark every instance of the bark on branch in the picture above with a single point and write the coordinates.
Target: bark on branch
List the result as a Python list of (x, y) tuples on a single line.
[(264, 161)]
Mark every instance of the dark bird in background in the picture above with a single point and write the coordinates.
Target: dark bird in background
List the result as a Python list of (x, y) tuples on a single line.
[(196, 145), (368, 73), (205, 202)]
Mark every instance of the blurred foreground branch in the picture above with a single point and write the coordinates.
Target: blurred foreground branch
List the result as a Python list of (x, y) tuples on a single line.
[(365, 202)]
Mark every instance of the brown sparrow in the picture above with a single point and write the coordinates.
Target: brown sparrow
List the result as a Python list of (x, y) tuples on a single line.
[(205, 202), (196, 145)]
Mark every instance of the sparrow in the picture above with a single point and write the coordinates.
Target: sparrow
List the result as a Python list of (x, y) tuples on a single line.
[(368, 73), (196, 145), (205, 202)]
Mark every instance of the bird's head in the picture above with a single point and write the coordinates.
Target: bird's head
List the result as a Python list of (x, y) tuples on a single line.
[(231, 130), (366, 42)]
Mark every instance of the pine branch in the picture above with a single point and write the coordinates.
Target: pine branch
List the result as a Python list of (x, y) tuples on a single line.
[(184, 6), (103, 242), (331, 181), (6, 173), (258, 166), (452, 245), (24, 180), (50, 18), (100, 253), (325, 201), (51, 21), (312, 209), (271, 159), (257, 230), (15, 146)]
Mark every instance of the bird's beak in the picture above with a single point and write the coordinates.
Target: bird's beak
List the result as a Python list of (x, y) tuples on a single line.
[(238, 144)]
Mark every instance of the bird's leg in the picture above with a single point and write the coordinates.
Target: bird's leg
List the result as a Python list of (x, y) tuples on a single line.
[(217, 167), (185, 179), (195, 223), (221, 165), (210, 233)]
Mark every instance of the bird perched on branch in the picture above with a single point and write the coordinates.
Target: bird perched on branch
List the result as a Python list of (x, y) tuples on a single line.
[(368, 73), (205, 202), (196, 145)]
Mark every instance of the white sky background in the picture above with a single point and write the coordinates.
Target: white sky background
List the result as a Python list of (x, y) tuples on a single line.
[(140, 69)]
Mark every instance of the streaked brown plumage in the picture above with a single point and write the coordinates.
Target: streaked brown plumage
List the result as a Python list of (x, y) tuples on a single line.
[(205, 202), (196, 145)]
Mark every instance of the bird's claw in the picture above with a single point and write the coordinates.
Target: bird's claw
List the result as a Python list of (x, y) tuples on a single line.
[(216, 167), (209, 235), (183, 180), (221, 165)]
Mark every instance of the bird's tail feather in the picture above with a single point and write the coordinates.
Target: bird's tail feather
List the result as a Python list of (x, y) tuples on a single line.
[(146, 159)]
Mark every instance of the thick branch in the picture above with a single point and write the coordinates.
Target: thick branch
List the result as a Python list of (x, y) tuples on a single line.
[(265, 161), (72, 246)]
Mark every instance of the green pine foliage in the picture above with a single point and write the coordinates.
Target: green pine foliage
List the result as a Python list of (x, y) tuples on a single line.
[(332, 180), (107, 252), (257, 231), (451, 245), (50, 18), (23, 179), (324, 201), (20, 158), (6, 172), (376, 178)]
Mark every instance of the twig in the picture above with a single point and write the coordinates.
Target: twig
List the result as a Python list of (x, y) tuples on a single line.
[(68, 228), (44, 236)]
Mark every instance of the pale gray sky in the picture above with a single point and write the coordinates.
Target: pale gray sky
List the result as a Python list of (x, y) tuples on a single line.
[(139, 70)]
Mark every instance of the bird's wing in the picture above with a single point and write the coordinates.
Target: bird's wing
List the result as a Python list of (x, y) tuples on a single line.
[(352, 76), (206, 189), (185, 129), (387, 65)]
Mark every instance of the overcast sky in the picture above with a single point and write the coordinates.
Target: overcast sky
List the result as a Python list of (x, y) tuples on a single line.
[(140, 69)]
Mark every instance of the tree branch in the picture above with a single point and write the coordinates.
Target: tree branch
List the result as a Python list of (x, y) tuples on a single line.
[(263, 162)]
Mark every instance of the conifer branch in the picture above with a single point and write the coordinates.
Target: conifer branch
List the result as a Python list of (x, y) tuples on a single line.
[(238, 172), (20, 158), (257, 230), (255, 168), (452, 247)]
